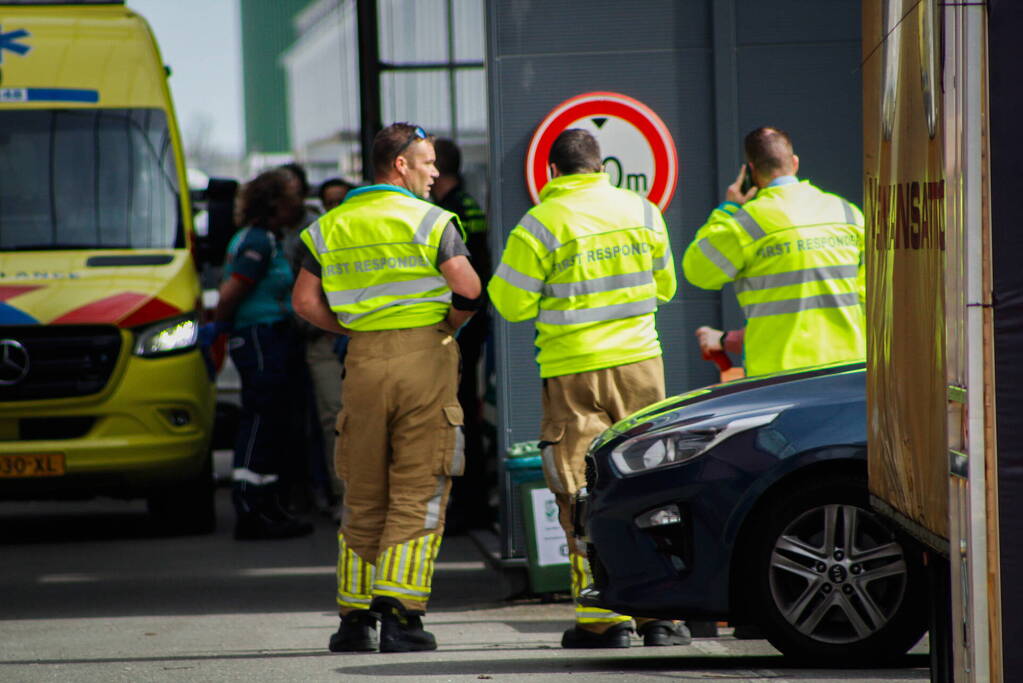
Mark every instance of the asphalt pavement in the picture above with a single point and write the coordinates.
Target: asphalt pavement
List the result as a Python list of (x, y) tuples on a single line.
[(90, 593)]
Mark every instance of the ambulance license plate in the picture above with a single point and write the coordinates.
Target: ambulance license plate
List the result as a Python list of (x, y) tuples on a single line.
[(35, 465)]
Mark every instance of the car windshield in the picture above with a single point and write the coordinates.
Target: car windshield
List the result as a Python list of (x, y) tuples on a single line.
[(87, 179)]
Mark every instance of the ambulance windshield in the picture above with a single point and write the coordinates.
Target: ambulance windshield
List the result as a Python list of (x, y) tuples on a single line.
[(87, 179)]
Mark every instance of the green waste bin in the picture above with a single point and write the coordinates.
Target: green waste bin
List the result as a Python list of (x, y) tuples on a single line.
[(535, 530)]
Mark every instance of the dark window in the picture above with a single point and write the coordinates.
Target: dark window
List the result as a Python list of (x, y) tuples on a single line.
[(88, 179)]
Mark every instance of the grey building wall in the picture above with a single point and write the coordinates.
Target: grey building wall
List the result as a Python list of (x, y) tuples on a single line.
[(712, 70)]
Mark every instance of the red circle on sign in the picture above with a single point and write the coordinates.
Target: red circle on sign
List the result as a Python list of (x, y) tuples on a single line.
[(610, 104)]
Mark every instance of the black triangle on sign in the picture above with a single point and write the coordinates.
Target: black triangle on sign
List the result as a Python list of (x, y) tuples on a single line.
[(600, 121)]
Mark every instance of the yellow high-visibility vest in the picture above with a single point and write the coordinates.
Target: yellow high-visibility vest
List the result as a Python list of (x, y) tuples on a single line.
[(591, 263), (795, 254), (378, 258)]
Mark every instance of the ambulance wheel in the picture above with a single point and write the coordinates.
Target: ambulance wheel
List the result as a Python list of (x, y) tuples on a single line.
[(188, 507), (830, 583)]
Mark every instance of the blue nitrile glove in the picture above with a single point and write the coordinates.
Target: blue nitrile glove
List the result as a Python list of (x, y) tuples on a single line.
[(209, 332)]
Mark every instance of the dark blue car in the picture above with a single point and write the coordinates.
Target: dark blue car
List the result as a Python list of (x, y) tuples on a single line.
[(748, 501)]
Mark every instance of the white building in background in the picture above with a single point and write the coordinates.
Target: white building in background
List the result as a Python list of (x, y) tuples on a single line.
[(432, 56)]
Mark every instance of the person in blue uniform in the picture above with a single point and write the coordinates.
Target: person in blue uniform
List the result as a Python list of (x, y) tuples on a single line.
[(255, 310)]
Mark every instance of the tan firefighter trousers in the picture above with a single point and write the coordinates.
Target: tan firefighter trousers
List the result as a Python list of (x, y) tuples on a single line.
[(400, 442), (577, 408)]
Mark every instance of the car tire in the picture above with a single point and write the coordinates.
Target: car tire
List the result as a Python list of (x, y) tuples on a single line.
[(828, 582), (188, 507)]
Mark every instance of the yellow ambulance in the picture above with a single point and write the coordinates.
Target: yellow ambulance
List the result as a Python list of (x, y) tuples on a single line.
[(102, 388)]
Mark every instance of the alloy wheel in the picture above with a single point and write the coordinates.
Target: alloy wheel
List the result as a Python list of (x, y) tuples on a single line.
[(836, 574)]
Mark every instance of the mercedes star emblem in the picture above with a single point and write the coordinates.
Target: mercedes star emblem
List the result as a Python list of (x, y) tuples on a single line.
[(13, 362)]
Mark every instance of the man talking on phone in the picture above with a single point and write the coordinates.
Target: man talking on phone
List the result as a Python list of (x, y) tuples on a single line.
[(795, 254)]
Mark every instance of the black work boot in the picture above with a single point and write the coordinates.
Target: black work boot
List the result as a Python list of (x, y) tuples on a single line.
[(581, 638), (664, 632), (259, 516), (401, 630), (357, 633)]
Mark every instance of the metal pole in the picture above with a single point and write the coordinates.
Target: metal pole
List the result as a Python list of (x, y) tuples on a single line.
[(452, 78), (977, 301), (370, 122)]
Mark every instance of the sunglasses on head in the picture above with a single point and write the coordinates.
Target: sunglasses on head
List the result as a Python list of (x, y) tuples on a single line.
[(417, 134)]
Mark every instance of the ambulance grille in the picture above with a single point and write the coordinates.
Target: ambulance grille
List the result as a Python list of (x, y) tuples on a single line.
[(56, 361)]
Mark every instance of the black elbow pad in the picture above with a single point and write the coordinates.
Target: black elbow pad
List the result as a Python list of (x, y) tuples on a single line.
[(462, 303)]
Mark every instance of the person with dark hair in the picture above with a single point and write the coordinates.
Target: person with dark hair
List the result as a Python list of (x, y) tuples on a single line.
[(470, 505), (255, 309), (299, 172), (795, 254), (390, 270), (591, 262), (332, 192)]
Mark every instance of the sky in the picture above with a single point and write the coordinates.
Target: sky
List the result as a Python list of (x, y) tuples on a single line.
[(199, 40)]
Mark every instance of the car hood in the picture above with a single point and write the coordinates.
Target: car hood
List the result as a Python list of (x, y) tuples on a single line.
[(788, 389)]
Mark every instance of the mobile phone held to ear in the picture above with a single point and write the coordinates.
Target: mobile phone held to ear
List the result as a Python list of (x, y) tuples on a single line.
[(747, 178)]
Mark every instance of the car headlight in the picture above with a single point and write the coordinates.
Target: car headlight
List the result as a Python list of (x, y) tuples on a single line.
[(167, 336), (678, 444)]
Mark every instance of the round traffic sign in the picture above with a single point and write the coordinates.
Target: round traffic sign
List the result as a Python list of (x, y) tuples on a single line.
[(639, 152)]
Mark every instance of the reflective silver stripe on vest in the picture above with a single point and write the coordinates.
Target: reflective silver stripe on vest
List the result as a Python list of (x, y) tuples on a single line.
[(717, 258), (317, 235), (850, 217), (749, 224), (795, 277), (797, 305), (426, 225), (598, 314), (349, 318), (534, 227), (405, 287), (520, 280), (600, 284), (661, 262), (648, 214)]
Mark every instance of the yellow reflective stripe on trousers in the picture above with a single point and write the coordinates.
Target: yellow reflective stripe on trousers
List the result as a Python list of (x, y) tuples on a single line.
[(406, 570), (581, 577), (354, 578)]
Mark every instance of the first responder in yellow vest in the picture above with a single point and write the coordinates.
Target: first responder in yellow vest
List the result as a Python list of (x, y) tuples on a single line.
[(795, 254), (591, 263), (390, 270)]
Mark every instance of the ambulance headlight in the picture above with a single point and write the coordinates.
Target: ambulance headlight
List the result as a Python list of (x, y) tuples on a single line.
[(677, 445), (166, 337)]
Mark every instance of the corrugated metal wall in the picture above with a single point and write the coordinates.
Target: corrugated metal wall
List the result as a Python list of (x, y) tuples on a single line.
[(712, 70)]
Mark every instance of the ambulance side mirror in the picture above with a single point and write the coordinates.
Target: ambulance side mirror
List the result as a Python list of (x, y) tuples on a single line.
[(215, 226)]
